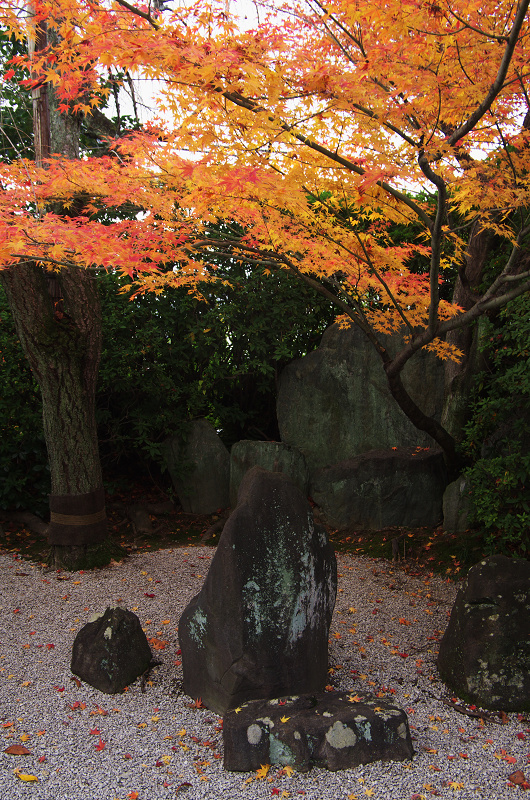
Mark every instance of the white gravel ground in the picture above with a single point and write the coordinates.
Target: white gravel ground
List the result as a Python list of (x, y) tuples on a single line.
[(151, 745)]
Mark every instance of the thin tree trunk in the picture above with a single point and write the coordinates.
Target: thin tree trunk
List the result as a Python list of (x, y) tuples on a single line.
[(459, 375)]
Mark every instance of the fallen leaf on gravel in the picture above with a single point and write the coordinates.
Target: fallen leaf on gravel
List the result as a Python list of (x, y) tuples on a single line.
[(25, 777), (24, 737), (133, 795), (17, 750), (262, 771), (100, 745), (183, 787), (157, 644), (198, 704), (516, 777)]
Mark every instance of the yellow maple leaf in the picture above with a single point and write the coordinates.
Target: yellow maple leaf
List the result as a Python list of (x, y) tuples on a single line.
[(25, 777), (456, 786), (262, 771), (288, 770), (284, 719)]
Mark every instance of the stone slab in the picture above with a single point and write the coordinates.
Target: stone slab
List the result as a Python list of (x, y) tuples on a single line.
[(336, 730)]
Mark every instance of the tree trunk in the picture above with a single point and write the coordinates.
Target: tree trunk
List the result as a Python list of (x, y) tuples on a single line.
[(459, 376), (58, 321)]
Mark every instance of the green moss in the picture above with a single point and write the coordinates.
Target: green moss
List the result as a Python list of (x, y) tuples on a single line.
[(84, 556)]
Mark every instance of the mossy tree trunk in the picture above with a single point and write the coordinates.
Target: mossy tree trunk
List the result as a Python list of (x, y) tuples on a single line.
[(58, 321)]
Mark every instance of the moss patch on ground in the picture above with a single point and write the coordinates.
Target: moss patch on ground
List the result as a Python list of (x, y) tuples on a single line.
[(419, 548)]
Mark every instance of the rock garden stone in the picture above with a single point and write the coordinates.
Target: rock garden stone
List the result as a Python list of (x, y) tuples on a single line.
[(336, 730), (259, 626), (456, 506), (484, 655), (111, 650), (273, 456), (199, 468), (334, 403), (403, 487)]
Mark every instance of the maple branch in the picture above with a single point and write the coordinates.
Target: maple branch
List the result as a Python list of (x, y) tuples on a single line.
[(497, 84), (508, 278), (143, 14), (494, 36), (250, 105), (380, 278), (436, 240), (342, 27)]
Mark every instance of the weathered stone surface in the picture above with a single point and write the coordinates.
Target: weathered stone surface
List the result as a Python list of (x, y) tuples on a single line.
[(456, 506), (111, 650), (334, 403), (272, 456), (204, 487), (485, 652), (337, 730), (259, 626), (381, 488)]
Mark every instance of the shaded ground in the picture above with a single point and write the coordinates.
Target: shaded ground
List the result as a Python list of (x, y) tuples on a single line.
[(419, 548)]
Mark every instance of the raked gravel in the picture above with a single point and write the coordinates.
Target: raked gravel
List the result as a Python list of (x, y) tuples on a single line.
[(152, 745)]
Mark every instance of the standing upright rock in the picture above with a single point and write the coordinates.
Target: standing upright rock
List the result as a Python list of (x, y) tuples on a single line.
[(485, 652), (203, 486), (259, 626)]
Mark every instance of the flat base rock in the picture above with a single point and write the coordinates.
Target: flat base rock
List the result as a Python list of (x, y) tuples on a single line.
[(336, 730), (403, 486)]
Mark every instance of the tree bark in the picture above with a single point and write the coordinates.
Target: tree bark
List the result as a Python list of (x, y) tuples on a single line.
[(459, 375), (58, 322)]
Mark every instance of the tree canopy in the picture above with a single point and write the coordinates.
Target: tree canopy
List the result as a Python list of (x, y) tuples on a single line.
[(308, 135)]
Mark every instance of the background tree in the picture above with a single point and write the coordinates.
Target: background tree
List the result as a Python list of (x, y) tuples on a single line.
[(498, 433), (359, 101), (57, 318)]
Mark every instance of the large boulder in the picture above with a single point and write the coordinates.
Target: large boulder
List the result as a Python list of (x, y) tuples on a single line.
[(337, 730), (334, 403), (484, 655), (111, 650), (403, 486), (200, 468), (272, 456), (259, 626)]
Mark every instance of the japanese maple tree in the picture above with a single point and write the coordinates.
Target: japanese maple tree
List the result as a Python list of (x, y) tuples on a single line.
[(308, 134)]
